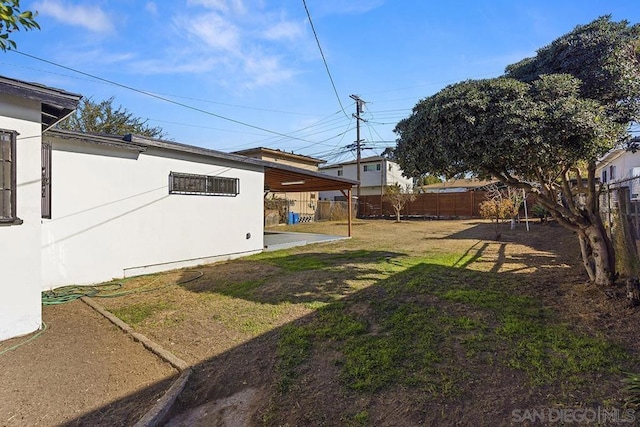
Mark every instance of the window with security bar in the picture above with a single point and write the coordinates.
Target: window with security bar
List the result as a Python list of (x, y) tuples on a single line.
[(203, 185), (8, 209)]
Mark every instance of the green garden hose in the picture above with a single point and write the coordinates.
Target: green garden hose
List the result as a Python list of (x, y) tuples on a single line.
[(31, 338), (70, 293)]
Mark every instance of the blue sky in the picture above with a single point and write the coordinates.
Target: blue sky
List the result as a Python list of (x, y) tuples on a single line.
[(249, 73)]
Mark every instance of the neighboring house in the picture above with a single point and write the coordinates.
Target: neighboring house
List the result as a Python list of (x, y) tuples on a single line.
[(79, 208), (302, 203), (456, 186), (620, 165), (375, 173)]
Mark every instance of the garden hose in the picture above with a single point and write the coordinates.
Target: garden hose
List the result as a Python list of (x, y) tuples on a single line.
[(42, 329), (70, 293)]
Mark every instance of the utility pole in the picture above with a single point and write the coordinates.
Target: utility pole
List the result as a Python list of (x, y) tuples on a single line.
[(359, 109)]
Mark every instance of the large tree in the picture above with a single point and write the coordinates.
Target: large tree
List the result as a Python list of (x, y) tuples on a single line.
[(103, 117), (542, 128), (12, 19)]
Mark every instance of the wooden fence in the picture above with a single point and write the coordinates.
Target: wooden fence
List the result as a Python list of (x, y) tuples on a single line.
[(438, 205)]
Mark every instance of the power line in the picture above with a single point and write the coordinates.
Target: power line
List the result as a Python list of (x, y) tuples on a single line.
[(326, 66), (159, 97), (247, 107)]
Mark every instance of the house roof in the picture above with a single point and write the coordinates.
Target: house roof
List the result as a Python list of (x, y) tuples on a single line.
[(353, 162), (56, 103), (278, 177), (279, 153), (610, 156)]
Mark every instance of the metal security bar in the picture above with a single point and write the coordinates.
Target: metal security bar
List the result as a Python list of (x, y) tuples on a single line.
[(7, 176), (203, 185), (46, 180)]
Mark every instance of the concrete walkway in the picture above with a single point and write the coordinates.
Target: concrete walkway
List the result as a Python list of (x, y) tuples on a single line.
[(276, 240)]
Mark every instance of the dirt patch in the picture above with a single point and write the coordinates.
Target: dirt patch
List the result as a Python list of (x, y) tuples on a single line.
[(80, 364)]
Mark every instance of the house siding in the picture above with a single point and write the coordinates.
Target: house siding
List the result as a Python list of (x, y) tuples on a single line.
[(372, 182), (623, 161), (20, 307), (112, 214)]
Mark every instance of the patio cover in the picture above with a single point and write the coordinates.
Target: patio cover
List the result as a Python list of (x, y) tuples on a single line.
[(280, 178)]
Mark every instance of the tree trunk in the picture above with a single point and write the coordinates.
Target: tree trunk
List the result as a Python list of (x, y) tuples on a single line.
[(602, 253), (397, 215), (585, 249)]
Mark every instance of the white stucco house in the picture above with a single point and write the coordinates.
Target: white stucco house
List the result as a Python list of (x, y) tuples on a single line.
[(376, 172), (81, 208), (620, 165)]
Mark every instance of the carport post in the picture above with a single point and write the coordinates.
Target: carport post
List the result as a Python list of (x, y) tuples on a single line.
[(349, 210)]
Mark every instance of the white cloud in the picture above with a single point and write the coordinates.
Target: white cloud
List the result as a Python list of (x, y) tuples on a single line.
[(265, 71), (220, 5), (284, 30), (212, 29), (177, 65), (152, 8), (90, 17), (80, 57)]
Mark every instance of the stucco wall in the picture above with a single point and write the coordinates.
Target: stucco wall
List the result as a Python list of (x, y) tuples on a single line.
[(20, 307), (371, 182), (113, 216), (624, 164)]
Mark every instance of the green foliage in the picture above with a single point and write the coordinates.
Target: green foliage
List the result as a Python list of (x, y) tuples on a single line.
[(12, 19), (398, 196), (539, 211), (503, 127), (429, 179), (602, 55), (632, 390), (103, 117), (550, 116)]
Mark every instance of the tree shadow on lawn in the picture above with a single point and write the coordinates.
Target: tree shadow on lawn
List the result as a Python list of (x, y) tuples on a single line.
[(431, 344), (309, 277), (542, 237)]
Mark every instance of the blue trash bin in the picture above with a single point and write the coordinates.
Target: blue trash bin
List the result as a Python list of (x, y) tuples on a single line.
[(296, 218), (290, 218)]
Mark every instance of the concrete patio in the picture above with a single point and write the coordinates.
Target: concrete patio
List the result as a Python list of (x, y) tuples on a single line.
[(276, 240)]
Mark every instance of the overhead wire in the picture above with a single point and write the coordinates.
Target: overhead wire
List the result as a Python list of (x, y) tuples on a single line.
[(326, 66), (153, 95)]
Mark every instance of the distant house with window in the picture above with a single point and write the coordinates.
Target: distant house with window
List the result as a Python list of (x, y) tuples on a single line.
[(80, 208), (302, 203), (618, 166), (375, 173)]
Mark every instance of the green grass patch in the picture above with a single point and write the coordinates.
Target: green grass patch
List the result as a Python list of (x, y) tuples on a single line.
[(533, 339), (292, 262), (240, 290), (293, 349), (137, 313)]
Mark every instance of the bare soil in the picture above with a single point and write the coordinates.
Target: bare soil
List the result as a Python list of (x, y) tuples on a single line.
[(84, 371), (81, 371)]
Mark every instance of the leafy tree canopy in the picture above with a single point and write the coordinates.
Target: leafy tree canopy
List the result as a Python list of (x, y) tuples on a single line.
[(541, 127), (12, 19), (603, 55), (103, 117)]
